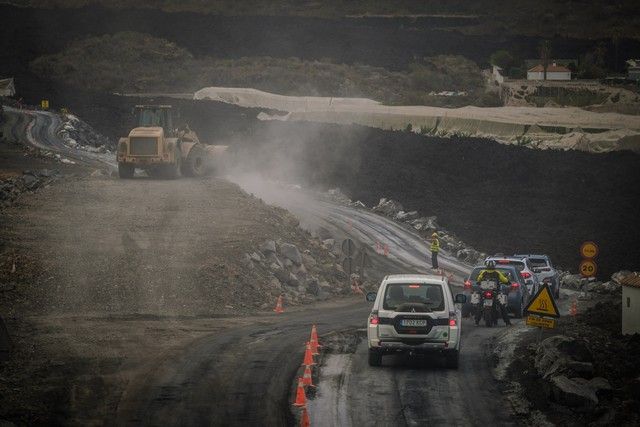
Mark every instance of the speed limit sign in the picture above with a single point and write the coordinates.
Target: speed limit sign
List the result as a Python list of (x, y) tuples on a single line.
[(588, 268)]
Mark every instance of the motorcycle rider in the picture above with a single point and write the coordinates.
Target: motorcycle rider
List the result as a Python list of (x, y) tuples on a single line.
[(490, 273)]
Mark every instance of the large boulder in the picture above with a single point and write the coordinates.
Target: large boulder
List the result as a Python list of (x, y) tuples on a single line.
[(572, 392), (556, 354), (291, 252), (313, 287), (572, 281), (268, 247), (618, 276), (388, 207), (405, 216), (610, 287)]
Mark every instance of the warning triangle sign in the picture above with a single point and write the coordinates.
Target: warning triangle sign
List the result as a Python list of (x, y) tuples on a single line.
[(543, 303)]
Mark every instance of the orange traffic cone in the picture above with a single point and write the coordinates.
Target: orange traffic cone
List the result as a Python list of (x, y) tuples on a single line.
[(573, 310), (301, 398), (314, 341), (308, 357), (279, 308), (304, 420), (306, 377)]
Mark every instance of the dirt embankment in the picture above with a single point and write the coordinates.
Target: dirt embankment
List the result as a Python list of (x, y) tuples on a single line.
[(146, 246), (582, 373)]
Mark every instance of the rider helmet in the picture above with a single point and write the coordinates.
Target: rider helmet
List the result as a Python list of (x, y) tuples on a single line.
[(490, 264)]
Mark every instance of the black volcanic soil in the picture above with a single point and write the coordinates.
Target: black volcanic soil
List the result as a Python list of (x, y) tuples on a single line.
[(497, 198)]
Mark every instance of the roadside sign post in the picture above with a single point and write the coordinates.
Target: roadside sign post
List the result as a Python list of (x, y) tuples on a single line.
[(349, 250), (542, 310), (588, 267)]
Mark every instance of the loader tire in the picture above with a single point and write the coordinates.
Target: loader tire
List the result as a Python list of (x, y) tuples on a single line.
[(173, 171), (195, 163), (125, 171)]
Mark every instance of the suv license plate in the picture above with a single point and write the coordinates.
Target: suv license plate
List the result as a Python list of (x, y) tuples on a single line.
[(488, 302), (413, 322)]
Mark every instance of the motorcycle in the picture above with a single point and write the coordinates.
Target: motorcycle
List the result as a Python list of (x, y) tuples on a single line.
[(485, 300)]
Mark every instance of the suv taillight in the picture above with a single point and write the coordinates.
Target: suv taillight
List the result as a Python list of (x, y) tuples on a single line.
[(525, 274), (374, 320), (452, 319), (515, 285)]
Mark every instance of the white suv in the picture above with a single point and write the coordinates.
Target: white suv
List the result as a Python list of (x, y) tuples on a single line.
[(417, 314)]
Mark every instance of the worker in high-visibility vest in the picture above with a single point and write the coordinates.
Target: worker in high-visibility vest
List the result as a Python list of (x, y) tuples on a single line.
[(435, 248)]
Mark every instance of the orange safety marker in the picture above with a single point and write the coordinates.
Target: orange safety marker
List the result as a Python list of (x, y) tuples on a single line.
[(279, 308), (304, 419), (306, 377), (314, 336), (301, 397), (308, 356), (573, 310)]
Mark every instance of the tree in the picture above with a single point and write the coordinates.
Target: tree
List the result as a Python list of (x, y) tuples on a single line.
[(545, 55), (502, 58)]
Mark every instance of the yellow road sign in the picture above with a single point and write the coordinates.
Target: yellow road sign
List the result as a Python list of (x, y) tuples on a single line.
[(543, 303), (44, 104), (588, 268), (589, 250), (542, 322)]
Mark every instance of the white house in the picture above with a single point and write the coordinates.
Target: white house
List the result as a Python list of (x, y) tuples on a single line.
[(554, 72), (631, 304)]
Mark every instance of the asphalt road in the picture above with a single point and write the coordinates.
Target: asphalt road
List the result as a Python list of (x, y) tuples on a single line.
[(39, 130), (412, 390), (244, 376)]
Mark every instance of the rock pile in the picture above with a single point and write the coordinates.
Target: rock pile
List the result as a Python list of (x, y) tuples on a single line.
[(298, 275), (80, 135), (578, 283), (567, 365), (29, 181), (425, 226)]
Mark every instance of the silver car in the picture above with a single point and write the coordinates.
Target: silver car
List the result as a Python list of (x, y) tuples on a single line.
[(543, 269)]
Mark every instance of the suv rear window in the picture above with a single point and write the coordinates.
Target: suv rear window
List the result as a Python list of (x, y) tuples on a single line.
[(519, 265), (398, 294), (538, 262)]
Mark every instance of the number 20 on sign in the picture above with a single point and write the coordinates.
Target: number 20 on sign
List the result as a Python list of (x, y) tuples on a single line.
[(588, 268)]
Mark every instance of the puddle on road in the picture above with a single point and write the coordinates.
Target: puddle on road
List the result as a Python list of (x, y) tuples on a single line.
[(327, 403)]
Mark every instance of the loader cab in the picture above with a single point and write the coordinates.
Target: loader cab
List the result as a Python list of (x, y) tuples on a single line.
[(155, 116)]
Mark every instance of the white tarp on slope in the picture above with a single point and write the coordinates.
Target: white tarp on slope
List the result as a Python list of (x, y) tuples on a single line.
[(550, 126)]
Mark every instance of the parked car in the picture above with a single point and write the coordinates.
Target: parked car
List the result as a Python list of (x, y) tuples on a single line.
[(543, 269), (416, 314), (517, 295), (523, 266)]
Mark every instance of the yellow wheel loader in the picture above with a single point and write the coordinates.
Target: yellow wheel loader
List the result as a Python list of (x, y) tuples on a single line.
[(162, 151)]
